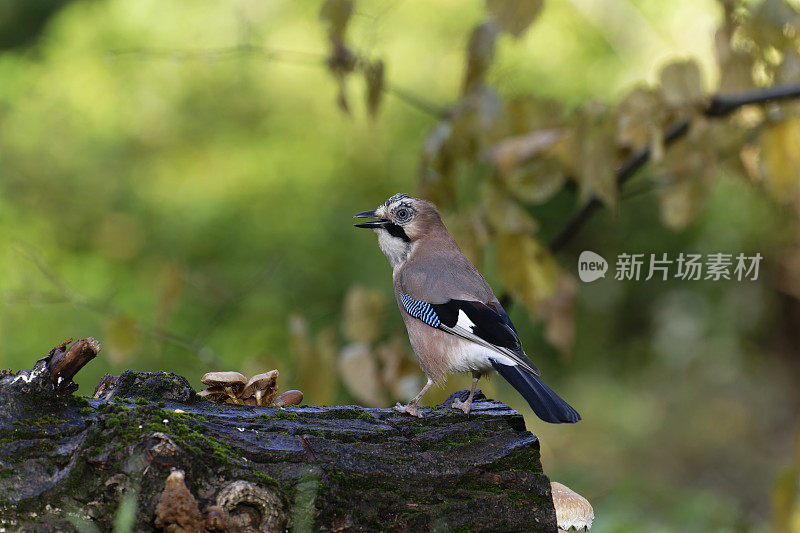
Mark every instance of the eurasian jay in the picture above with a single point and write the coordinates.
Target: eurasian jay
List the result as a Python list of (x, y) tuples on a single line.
[(455, 322)]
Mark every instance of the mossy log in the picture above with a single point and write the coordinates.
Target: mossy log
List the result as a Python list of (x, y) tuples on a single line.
[(70, 463)]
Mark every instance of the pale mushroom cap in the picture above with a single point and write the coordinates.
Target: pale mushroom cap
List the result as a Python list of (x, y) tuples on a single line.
[(214, 394), (572, 509), (224, 379), (263, 381)]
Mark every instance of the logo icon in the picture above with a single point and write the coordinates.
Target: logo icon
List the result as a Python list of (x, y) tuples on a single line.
[(591, 266)]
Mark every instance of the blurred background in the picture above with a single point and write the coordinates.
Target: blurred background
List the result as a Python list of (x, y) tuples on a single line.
[(177, 180)]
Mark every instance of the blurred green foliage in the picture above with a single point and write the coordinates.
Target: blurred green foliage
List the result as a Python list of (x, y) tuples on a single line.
[(177, 180), (21, 21)]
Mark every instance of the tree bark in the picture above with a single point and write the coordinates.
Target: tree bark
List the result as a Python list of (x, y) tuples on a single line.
[(70, 463)]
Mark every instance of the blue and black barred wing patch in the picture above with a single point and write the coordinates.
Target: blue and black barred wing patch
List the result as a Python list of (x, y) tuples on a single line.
[(421, 310)]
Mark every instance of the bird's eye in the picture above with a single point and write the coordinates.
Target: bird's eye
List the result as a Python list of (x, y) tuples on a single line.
[(401, 214)]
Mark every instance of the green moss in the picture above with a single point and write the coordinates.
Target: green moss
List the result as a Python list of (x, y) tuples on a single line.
[(131, 424), (340, 413), (518, 499), (526, 459), (366, 415), (87, 410), (113, 408), (221, 450), (166, 379), (156, 427), (265, 478), (141, 401), (45, 420), (474, 486), (81, 401), (455, 438), (279, 415), (337, 477), (161, 404)]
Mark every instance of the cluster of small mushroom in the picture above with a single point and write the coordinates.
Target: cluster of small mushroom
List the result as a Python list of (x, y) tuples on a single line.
[(260, 389)]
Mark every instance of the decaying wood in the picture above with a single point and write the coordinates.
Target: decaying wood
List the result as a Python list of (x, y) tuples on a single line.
[(65, 363), (65, 460)]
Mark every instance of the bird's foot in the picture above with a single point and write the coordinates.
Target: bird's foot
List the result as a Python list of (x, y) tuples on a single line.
[(410, 409), (464, 406)]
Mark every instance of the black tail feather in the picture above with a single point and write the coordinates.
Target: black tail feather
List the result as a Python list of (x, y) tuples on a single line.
[(547, 405)]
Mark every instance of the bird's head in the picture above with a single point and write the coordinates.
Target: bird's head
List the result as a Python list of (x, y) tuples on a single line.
[(401, 221)]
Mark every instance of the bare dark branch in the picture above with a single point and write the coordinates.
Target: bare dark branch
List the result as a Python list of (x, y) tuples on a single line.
[(719, 106), (724, 104)]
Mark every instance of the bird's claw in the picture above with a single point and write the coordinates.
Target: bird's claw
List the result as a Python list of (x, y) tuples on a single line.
[(410, 409), (464, 406)]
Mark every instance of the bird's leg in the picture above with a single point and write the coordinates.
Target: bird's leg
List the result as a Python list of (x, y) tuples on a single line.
[(411, 408), (466, 406)]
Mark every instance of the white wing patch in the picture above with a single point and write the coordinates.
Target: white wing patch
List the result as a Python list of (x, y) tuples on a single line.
[(464, 328), (464, 322)]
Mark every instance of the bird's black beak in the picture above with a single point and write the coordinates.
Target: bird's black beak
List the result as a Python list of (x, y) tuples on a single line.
[(372, 224)]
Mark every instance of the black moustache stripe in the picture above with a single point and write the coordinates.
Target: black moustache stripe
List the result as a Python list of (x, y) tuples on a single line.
[(396, 231)]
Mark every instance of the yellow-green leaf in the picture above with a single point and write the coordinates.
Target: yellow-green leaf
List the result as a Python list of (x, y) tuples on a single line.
[(514, 16), (682, 202), (685, 176), (504, 214), (682, 84), (536, 181), (596, 160), (735, 66), (780, 152), (363, 314), (640, 118), (480, 53), (558, 313), (437, 183), (528, 269), (336, 13), (469, 229), (373, 75), (511, 151), (789, 69), (359, 372)]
